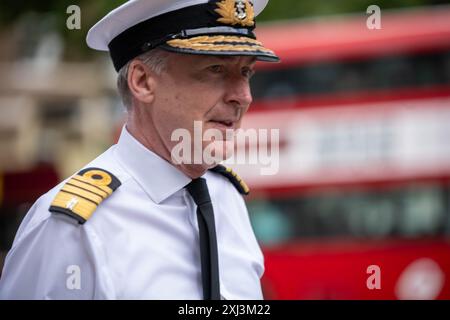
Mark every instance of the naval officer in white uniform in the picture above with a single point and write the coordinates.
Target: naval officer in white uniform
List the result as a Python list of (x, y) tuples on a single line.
[(134, 224)]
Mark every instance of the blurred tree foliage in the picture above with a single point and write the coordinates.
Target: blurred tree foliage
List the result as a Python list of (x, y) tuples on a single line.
[(290, 9), (51, 14)]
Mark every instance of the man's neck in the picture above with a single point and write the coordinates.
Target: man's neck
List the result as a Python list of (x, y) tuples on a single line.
[(155, 144)]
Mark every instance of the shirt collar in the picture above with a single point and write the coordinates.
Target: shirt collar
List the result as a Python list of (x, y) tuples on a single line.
[(159, 178)]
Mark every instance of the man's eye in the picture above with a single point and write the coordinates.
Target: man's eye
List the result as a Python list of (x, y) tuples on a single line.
[(248, 73), (216, 69)]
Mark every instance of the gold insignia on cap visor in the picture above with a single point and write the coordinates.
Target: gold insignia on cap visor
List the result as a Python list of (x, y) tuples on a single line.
[(220, 44), (235, 12)]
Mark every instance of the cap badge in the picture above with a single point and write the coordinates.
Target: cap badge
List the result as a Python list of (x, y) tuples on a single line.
[(236, 12)]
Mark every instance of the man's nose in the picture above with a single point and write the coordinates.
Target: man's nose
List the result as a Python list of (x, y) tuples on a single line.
[(238, 93)]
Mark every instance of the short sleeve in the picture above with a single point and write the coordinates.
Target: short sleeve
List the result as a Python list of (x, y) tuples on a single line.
[(53, 260)]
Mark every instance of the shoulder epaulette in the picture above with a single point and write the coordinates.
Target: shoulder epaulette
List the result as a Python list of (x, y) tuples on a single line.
[(83, 193), (234, 178)]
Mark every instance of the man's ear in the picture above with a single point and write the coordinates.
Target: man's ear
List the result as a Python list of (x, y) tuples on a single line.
[(141, 81)]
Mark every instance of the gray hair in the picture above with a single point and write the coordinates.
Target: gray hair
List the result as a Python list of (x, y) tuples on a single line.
[(155, 59)]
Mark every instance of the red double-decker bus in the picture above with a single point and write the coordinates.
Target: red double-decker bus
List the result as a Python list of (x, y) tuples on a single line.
[(360, 205)]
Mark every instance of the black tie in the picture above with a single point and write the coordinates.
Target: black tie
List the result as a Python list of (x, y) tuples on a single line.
[(208, 241)]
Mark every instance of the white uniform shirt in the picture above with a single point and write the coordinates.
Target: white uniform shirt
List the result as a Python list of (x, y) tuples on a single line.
[(141, 243)]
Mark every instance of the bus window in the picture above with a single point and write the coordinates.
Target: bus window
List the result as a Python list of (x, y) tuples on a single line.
[(346, 76), (408, 212)]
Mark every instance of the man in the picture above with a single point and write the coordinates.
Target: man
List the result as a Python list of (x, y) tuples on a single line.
[(134, 223)]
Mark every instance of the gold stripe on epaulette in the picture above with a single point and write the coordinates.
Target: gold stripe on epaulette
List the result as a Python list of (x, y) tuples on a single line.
[(239, 179), (82, 193), (93, 189), (76, 204)]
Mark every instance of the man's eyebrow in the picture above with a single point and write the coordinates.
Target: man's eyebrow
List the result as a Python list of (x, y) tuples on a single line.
[(228, 58), (254, 59)]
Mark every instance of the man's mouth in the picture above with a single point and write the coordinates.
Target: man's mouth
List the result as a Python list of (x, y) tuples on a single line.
[(229, 124)]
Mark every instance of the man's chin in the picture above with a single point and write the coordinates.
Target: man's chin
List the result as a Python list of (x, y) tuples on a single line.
[(217, 151)]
